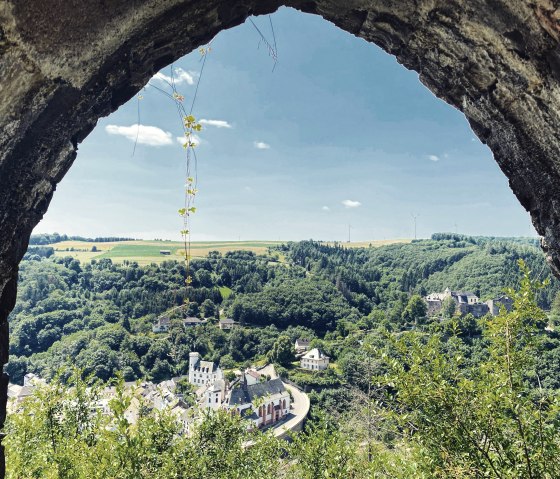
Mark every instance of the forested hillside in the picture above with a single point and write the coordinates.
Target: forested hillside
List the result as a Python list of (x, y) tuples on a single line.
[(98, 316), (405, 395)]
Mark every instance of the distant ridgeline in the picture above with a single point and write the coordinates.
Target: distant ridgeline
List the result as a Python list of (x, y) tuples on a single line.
[(45, 238), (99, 316), (479, 240)]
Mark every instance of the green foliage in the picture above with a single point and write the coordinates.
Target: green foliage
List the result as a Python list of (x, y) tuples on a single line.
[(282, 351), (415, 311), (480, 421), (323, 451), (448, 307), (99, 316), (456, 398), (60, 433)]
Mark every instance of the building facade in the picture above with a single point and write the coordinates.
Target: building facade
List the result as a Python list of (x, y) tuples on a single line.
[(301, 345), (191, 321), (466, 303), (227, 323), (203, 373), (161, 325), (494, 305), (264, 403), (315, 360)]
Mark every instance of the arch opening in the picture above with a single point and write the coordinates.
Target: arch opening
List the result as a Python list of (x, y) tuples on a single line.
[(498, 63)]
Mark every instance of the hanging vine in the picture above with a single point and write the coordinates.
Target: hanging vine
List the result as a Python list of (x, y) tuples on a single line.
[(190, 127)]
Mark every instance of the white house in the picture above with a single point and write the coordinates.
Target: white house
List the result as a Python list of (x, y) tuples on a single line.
[(161, 325), (227, 323), (315, 360), (214, 394), (190, 321), (203, 373), (301, 345), (252, 376)]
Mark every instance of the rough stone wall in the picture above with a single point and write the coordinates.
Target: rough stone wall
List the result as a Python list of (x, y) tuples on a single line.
[(66, 63)]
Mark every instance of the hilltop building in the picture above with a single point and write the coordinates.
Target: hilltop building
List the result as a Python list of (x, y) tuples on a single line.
[(495, 304), (315, 360), (466, 302)]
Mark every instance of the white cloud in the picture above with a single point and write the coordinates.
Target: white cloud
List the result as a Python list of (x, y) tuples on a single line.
[(248, 189), (351, 204), (195, 139), (325, 208), (146, 135), (216, 123), (433, 157), (260, 145), (180, 76)]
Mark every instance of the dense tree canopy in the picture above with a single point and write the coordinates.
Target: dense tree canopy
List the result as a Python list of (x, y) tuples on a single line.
[(98, 316)]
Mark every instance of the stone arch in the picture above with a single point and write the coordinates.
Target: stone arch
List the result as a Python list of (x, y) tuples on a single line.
[(65, 65)]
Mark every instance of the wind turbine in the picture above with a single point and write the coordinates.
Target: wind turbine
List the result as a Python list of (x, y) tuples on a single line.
[(414, 216)]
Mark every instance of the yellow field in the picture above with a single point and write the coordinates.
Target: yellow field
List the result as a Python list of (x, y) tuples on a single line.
[(146, 252), (372, 243)]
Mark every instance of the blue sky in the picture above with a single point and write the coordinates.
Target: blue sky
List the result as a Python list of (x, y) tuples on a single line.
[(339, 133)]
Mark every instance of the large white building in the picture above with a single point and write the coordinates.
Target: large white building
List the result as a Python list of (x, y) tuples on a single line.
[(315, 360), (203, 373)]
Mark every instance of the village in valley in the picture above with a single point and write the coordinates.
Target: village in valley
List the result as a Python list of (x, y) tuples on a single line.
[(257, 394)]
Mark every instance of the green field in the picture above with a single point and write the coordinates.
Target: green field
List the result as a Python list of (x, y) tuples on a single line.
[(225, 292), (146, 252)]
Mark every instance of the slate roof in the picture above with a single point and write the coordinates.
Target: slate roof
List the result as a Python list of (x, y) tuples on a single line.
[(502, 297), (315, 354), (194, 321), (246, 394), (206, 366), (227, 321)]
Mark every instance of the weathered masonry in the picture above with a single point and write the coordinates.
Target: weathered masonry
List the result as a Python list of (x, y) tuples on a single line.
[(63, 65)]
